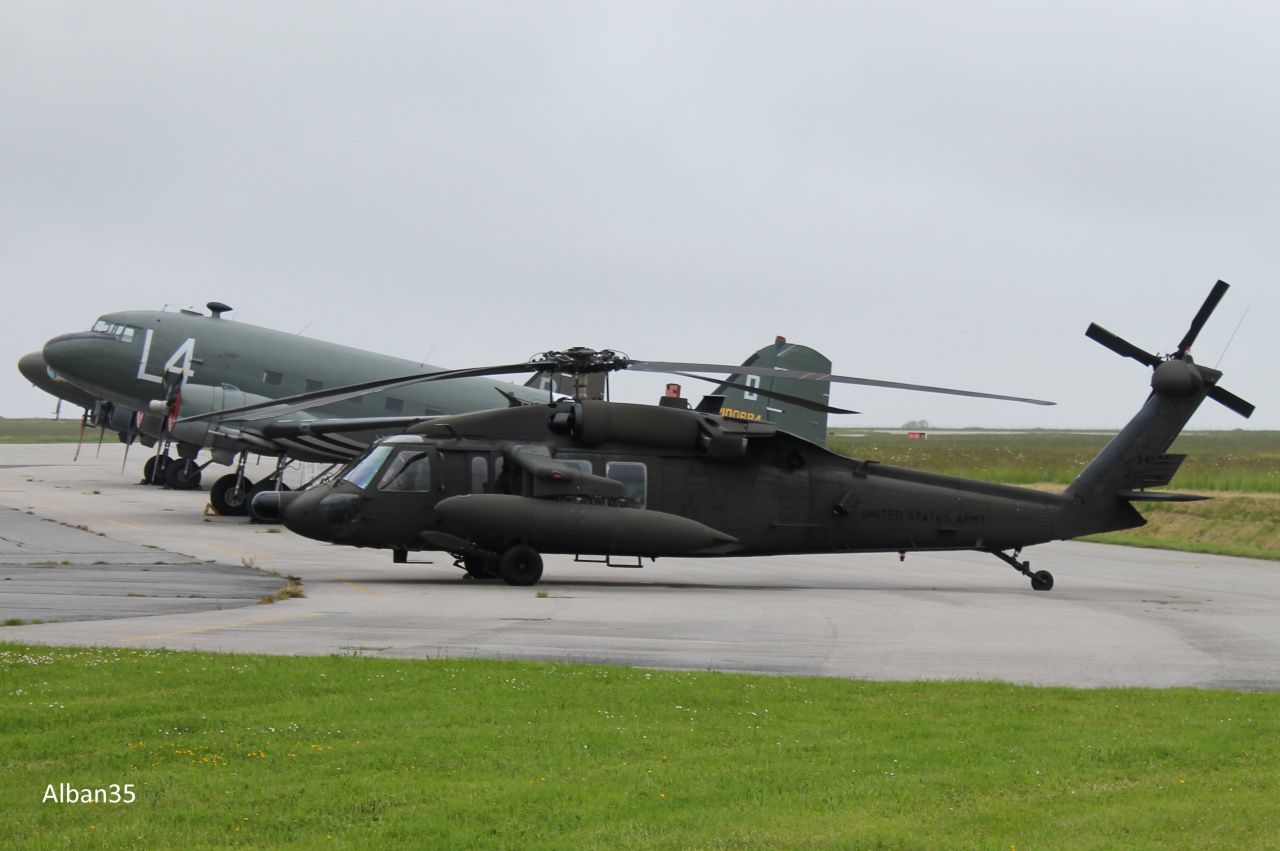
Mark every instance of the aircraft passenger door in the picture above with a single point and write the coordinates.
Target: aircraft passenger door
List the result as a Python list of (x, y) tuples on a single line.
[(455, 473)]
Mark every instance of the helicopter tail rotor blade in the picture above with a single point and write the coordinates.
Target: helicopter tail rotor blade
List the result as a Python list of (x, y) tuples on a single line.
[(1206, 310), (1120, 346), (1231, 400)]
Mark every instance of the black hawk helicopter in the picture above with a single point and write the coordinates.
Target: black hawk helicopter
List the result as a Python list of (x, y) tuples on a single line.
[(617, 483)]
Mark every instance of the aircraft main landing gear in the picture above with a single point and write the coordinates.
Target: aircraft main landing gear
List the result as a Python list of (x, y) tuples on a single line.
[(520, 565), (1041, 580), (229, 495), (182, 474), (154, 469)]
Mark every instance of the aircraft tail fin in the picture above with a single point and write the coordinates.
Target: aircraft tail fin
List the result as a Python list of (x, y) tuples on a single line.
[(751, 399), (1138, 457)]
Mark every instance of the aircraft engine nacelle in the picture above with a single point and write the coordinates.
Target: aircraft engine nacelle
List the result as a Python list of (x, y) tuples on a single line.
[(596, 422), (201, 399)]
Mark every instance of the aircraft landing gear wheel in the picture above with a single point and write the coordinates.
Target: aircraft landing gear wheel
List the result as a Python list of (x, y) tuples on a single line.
[(182, 475), (153, 471), (1042, 580), (229, 495), (520, 565), (267, 484)]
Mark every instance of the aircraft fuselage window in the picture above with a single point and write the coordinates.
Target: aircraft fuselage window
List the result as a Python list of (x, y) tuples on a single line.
[(409, 471), (634, 478), (361, 473), (272, 377), (395, 405), (479, 474), (310, 385)]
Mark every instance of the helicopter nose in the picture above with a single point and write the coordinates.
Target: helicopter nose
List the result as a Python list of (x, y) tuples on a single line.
[(269, 506)]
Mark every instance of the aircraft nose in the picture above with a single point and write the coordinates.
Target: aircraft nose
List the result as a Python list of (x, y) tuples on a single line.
[(65, 351), (34, 369), (317, 513)]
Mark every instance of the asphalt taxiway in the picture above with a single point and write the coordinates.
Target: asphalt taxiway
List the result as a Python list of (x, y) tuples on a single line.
[(117, 563)]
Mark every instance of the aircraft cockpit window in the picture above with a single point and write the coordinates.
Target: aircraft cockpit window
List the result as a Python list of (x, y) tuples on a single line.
[(410, 471), (362, 472), (123, 333), (634, 476)]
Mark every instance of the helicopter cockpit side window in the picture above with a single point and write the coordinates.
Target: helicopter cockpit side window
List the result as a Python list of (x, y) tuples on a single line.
[(634, 478), (362, 472), (408, 472)]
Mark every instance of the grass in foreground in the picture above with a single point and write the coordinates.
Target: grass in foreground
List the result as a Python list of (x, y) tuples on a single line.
[(258, 751)]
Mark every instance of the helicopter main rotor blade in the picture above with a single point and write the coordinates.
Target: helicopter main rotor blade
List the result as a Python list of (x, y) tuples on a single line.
[(1121, 346), (807, 404), (302, 401), (769, 372), (1206, 310)]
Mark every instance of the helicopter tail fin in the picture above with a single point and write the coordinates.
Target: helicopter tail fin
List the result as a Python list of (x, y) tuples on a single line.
[(1138, 458), (748, 403)]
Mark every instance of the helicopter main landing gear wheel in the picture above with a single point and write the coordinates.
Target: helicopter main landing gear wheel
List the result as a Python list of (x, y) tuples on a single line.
[(520, 565), (229, 495), (1041, 580), (478, 567)]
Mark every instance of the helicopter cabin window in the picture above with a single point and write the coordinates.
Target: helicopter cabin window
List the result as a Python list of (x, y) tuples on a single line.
[(272, 377), (395, 405), (408, 472), (633, 475), (362, 471), (479, 474), (310, 385)]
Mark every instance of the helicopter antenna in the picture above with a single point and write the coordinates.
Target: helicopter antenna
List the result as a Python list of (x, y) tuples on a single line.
[(1232, 337), (305, 327)]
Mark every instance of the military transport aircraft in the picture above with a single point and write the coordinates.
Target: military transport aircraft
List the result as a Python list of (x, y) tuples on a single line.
[(136, 372), (617, 483)]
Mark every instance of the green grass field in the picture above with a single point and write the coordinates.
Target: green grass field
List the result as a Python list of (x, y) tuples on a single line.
[(272, 752), (65, 430)]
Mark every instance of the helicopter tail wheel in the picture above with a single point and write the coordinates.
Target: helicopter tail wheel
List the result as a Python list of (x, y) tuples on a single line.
[(520, 565), (1042, 580)]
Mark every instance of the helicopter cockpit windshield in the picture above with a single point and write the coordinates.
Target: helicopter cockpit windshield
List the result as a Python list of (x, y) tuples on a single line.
[(363, 471)]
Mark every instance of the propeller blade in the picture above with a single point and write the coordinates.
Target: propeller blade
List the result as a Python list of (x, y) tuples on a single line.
[(1120, 346), (807, 404), (1206, 310), (80, 442), (292, 404), (1231, 400), (769, 372)]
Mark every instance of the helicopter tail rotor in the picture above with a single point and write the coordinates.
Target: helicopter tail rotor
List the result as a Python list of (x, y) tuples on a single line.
[(1177, 374)]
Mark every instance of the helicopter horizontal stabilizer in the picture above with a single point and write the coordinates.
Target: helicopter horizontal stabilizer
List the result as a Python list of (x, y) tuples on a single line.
[(1160, 496)]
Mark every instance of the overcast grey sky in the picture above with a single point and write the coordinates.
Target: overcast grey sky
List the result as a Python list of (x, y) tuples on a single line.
[(939, 193)]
